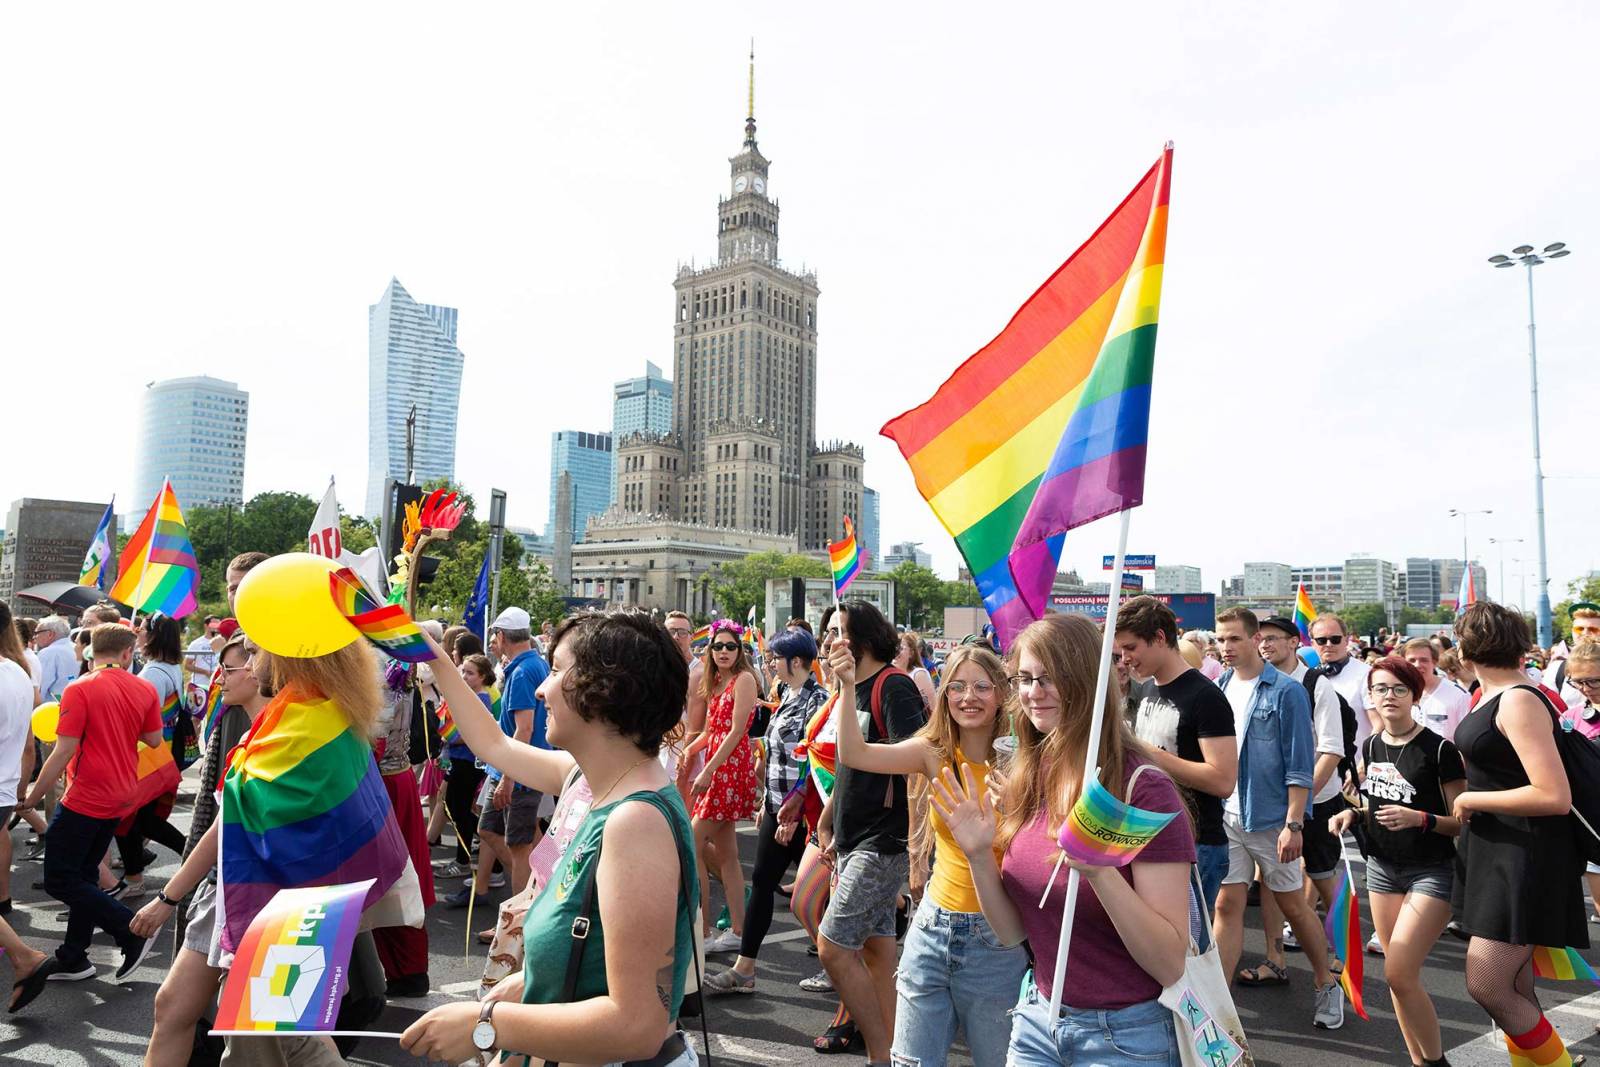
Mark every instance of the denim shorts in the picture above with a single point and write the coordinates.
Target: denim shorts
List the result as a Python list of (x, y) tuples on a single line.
[(1429, 879), (1141, 1035), (953, 971), (861, 906)]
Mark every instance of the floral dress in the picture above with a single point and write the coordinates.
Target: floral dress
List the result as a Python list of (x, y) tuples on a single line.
[(734, 790)]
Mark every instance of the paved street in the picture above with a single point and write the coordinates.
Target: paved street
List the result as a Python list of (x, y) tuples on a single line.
[(95, 1023)]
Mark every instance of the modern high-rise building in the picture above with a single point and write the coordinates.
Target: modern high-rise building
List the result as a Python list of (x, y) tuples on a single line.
[(587, 457), (193, 431), (641, 404), (1268, 580), (1180, 578), (1324, 582), (906, 552), (1369, 580), (412, 361), (1423, 588), (867, 526)]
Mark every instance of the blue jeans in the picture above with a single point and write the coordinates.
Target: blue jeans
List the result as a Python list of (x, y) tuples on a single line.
[(1213, 863), (953, 969), (1138, 1036)]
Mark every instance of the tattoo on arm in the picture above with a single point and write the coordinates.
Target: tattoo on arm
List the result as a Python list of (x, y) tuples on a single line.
[(666, 998)]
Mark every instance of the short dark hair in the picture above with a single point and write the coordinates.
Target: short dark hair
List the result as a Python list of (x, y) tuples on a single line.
[(1492, 635), (245, 562), (626, 671), (1401, 670), (1242, 615), (1144, 617), (869, 630), (468, 644), (794, 644), (798, 623)]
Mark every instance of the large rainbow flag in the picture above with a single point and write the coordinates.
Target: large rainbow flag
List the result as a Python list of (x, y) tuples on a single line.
[(1563, 964), (1044, 428), (157, 569), (290, 972), (303, 805)]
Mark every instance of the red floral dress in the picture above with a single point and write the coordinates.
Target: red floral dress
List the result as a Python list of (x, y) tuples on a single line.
[(733, 793)]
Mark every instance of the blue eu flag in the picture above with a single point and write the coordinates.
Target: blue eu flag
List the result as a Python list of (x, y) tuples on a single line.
[(478, 602)]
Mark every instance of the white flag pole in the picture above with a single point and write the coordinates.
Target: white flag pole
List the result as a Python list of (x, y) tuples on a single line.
[(1091, 757)]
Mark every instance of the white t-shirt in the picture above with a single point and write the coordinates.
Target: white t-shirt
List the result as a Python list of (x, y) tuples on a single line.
[(1328, 726), (201, 657), (1239, 691), (1352, 685), (1443, 709), (16, 707), (35, 668)]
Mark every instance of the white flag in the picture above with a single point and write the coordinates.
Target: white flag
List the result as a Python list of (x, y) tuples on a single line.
[(323, 539)]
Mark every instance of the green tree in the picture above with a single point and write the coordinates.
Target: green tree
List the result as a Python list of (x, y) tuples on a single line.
[(1364, 619), (920, 595), (741, 584), (963, 593), (545, 601)]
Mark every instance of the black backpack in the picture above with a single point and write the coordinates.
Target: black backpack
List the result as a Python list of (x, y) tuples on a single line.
[(1347, 719), (1581, 759)]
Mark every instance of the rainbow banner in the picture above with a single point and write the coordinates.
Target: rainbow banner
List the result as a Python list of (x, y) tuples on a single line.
[(1344, 934), (157, 569), (1305, 613), (386, 625), (93, 571), (292, 968), (1562, 964), (1106, 832), (844, 558), (1044, 428)]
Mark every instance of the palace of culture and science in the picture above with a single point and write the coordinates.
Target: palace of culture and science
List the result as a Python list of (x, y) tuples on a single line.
[(741, 470)]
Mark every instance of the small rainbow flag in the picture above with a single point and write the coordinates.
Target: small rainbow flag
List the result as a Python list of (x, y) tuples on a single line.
[(700, 639), (212, 710), (1563, 964), (1305, 613), (844, 557), (385, 625), (448, 730), (290, 971), (1344, 934), (1106, 832), (1467, 594), (157, 570), (169, 716)]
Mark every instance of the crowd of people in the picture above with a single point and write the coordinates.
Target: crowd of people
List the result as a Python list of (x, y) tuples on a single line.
[(599, 767)]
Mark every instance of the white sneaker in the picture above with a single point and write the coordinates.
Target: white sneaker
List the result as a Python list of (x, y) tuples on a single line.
[(497, 880), (1290, 942), (1374, 946), (725, 941)]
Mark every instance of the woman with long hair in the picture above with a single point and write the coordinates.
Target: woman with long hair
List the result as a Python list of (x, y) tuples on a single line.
[(780, 843), (464, 777), (908, 657), (1413, 778), (161, 644), (17, 692), (954, 969), (1131, 931), (615, 688), (1522, 886), (724, 791)]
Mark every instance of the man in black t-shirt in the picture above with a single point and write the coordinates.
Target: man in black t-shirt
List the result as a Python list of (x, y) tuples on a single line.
[(1185, 727), (863, 830)]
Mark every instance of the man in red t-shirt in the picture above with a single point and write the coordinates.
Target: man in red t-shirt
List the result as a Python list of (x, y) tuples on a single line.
[(104, 716)]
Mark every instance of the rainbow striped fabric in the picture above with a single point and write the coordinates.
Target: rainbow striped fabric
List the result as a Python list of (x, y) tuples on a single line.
[(1044, 428), (289, 973), (844, 558), (1563, 964), (157, 569), (1305, 613), (212, 710), (1344, 934), (1106, 832), (700, 639), (1539, 1047), (93, 571), (448, 730), (1467, 594), (385, 625), (303, 805)]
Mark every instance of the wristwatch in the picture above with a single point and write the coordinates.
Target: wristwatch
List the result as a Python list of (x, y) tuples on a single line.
[(483, 1033), (1295, 826)]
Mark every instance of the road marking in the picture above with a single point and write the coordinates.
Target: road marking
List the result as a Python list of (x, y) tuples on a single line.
[(1574, 1021)]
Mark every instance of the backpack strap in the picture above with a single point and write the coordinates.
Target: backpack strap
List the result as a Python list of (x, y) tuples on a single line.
[(877, 698)]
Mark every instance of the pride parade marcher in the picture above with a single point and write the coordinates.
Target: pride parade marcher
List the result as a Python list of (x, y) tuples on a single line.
[(1131, 931), (628, 878), (161, 642)]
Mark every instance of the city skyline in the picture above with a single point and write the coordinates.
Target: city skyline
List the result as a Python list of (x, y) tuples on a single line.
[(193, 432), (908, 300)]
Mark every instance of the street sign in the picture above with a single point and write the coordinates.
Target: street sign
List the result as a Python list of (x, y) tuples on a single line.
[(1195, 611), (1133, 583), (1132, 563)]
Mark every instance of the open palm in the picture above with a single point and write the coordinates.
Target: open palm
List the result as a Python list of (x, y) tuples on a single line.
[(966, 811)]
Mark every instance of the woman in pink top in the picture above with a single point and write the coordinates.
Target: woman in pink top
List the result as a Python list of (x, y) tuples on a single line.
[(1131, 930)]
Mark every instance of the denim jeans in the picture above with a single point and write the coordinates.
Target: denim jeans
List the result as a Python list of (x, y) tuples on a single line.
[(1213, 863), (1141, 1035), (953, 970), (74, 844)]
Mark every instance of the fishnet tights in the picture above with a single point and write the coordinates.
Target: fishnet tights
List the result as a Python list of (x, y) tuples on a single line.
[(1500, 979)]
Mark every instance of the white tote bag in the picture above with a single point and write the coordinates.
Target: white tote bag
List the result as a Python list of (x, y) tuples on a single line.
[(1209, 1031)]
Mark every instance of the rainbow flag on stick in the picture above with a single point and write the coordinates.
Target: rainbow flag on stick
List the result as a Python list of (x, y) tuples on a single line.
[(700, 639), (385, 625), (844, 557), (1563, 964), (1044, 428), (448, 730), (291, 970), (93, 571), (157, 570), (1344, 934), (1305, 613), (1105, 832)]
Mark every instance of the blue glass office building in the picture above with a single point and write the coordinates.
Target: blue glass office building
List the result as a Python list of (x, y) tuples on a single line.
[(192, 430), (412, 358), (588, 458)]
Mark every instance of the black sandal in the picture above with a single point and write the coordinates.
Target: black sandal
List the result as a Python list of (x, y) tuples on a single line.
[(842, 1038), (1253, 977), (30, 986)]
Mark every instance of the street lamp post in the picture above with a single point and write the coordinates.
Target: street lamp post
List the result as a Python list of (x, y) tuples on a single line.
[(1462, 514), (1503, 542), (1525, 255)]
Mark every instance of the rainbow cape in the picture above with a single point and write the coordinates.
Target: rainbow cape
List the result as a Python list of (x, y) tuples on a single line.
[(385, 625), (157, 569), (1563, 964), (290, 971), (1106, 832), (303, 805), (844, 558), (1344, 934), (1044, 428)]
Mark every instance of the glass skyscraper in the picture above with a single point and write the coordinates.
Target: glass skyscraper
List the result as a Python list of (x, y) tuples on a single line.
[(867, 525), (588, 458), (642, 404), (192, 430), (412, 358)]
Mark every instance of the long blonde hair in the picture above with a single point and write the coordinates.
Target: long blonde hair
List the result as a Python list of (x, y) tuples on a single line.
[(348, 677), (942, 732), (1045, 771)]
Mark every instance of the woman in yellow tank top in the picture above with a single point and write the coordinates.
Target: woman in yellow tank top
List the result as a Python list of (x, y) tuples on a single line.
[(953, 970)]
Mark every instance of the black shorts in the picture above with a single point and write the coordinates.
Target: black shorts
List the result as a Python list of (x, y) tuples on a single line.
[(1321, 850)]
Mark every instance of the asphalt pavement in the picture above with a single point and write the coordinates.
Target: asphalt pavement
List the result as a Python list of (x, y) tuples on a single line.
[(95, 1024)]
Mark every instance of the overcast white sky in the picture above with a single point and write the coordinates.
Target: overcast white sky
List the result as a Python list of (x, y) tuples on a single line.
[(209, 189)]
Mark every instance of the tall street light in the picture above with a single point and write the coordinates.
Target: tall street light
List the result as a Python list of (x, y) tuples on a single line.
[(1525, 255), (1503, 542), (1462, 514)]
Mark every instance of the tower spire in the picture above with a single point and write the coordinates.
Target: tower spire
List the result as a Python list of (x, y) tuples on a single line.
[(750, 113)]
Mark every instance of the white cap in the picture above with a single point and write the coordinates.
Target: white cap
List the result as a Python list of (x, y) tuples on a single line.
[(512, 619)]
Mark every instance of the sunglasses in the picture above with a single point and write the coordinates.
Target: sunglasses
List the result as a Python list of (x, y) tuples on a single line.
[(1336, 639), (725, 646)]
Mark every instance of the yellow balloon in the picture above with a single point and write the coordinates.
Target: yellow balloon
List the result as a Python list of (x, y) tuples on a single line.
[(286, 606), (46, 717)]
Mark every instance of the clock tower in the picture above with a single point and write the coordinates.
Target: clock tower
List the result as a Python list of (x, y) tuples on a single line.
[(747, 221)]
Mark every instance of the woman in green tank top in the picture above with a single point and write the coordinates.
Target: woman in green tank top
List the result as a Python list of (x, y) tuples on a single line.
[(614, 691)]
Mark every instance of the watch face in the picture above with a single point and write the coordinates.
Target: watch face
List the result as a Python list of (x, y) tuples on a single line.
[(483, 1035), (739, 183), (761, 185)]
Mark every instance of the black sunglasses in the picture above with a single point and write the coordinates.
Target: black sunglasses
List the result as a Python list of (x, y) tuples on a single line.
[(725, 646), (1336, 639)]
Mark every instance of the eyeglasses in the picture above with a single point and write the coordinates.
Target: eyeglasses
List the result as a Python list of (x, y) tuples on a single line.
[(1390, 690), (241, 667), (1336, 639), (1585, 683), (959, 689), (725, 646), (833, 631), (1024, 681), (678, 633)]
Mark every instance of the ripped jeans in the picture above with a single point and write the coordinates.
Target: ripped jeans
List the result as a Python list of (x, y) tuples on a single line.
[(953, 970)]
